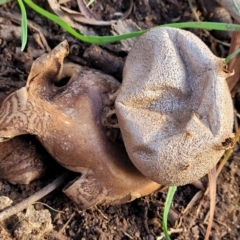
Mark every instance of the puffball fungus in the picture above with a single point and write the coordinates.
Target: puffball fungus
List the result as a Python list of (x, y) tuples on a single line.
[(174, 107)]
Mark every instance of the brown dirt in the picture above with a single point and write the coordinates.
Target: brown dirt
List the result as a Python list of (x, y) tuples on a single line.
[(140, 219)]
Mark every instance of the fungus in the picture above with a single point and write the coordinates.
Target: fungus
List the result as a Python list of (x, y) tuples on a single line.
[(66, 107), (21, 160), (174, 107)]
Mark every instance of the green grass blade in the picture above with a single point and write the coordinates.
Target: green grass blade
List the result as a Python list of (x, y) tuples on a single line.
[(231, 56), (109, 39), (24, 28), (236, 7), (205, 25), (4, 1), (88, 39), (168, 202), (90, 2)]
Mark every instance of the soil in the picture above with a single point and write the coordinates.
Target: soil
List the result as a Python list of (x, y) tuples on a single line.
[(140, 219)]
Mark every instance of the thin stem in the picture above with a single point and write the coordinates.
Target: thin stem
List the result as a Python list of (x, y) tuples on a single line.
[(32, 199)]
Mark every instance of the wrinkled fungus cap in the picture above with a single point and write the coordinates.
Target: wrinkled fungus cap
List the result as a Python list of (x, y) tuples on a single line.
[(174, 107)]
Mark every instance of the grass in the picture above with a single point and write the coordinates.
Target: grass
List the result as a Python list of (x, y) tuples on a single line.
[(110, 39), (90, 2), (4, 1), (24, 27), (168, 203), (236, 7), (231, 56)]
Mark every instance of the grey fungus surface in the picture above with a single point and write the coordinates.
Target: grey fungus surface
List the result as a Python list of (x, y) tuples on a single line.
[(174, 107)]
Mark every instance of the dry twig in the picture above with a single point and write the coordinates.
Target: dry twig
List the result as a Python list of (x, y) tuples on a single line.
[(85, 16), (85, 11), (66, 224), (32, 199), (204, 30), (212, 176), (234, 64)]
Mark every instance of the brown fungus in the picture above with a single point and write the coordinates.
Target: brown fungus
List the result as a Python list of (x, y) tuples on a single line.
[(21, 160), (174, 107), (66, 107)]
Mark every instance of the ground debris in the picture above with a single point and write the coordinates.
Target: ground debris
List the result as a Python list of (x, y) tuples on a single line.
[(32, 224)]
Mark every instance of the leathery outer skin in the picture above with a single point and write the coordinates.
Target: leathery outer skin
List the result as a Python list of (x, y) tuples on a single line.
[(174, 107), (67, 120)]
